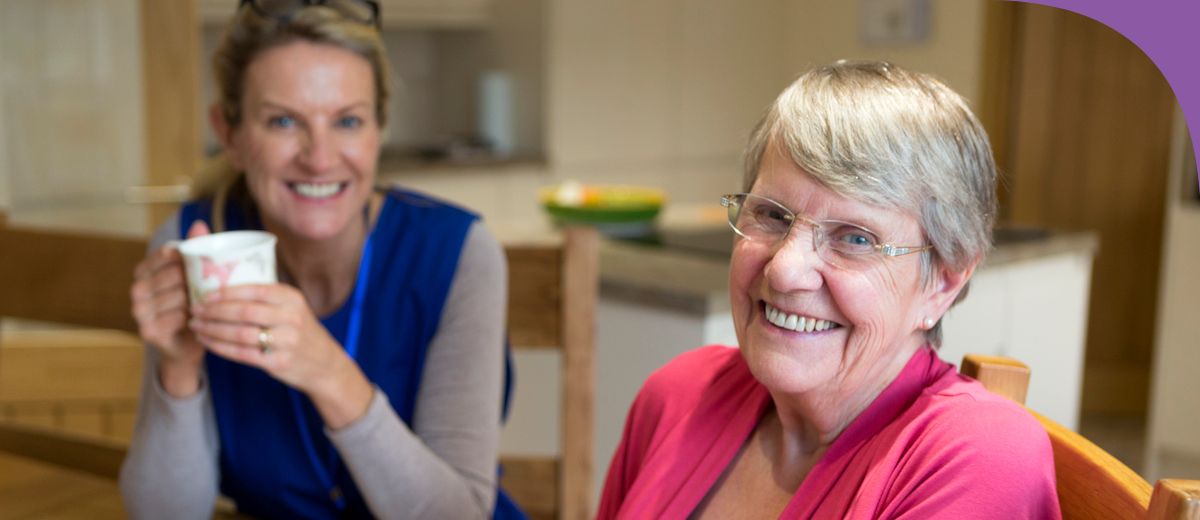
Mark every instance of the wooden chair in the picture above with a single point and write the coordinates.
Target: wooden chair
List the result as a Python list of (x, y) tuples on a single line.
[(83, 279), (1091, 482), (75, 279), (552, 304)]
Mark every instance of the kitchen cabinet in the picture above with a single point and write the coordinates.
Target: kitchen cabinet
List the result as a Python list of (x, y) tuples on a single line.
[(417, 14)]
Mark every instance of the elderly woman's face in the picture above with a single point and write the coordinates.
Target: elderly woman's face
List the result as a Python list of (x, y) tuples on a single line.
[(308, 140), (873, 309)]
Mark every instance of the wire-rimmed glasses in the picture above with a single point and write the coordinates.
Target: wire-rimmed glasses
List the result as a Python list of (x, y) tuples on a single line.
[(362, 11), (842, 244)]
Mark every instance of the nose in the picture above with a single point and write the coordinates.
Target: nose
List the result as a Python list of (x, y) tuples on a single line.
[(794, 262), (319, 152)]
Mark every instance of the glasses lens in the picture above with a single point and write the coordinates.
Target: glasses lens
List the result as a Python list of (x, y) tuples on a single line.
[(847, 245), (849, 239), (759, 218)]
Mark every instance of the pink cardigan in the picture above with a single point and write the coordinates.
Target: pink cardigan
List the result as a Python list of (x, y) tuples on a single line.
[(934, 444)]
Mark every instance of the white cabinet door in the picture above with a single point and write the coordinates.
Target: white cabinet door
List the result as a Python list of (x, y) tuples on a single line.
[(980, 323), (1035, 311), (1049, 327)]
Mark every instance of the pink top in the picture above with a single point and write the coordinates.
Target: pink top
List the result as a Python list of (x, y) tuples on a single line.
[(934, 444)]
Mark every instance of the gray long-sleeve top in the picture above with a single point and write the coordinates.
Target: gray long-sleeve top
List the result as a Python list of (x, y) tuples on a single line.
[(443, 467)]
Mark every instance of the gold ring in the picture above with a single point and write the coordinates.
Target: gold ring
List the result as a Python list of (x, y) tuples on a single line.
[(264, 340)]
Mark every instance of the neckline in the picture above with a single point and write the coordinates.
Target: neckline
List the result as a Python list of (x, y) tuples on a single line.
[(889, 404)]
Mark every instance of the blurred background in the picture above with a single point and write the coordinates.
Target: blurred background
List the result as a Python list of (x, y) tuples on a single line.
[(102, 124)]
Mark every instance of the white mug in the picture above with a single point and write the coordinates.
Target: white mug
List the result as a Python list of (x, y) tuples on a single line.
[(225, 259)]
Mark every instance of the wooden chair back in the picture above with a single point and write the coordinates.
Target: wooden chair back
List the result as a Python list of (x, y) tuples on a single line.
[(553, 290), (68, 277), (1091, 482)]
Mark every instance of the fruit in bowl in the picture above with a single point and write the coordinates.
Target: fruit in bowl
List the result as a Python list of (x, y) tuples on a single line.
[(616, 210)]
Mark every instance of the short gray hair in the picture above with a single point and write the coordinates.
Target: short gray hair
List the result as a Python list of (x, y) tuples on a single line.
[(883, 135)]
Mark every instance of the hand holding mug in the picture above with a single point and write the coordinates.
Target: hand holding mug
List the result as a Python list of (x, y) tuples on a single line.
[(160, 306), (273, 328)]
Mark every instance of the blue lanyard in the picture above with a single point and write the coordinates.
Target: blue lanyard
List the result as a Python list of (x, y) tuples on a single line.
[(326, 473)]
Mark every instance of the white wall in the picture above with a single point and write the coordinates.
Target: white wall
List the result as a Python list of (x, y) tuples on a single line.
[(821, 32), (5, 201), (72, 112), (1173, 446), (661, 93)]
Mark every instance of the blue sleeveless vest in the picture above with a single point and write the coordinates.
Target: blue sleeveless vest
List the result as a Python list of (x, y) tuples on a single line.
[(264, 462)]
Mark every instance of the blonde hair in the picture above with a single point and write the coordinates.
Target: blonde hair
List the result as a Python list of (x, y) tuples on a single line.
[(883, 135), (249, 34)]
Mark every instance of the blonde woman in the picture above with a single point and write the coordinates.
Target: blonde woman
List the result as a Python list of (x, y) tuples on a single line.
[(368, 383)]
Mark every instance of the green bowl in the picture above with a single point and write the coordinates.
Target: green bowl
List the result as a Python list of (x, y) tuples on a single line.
[(601, 215), (614, 210)]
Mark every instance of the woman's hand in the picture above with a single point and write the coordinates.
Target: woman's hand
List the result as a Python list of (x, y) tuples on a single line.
[(160, 306), (234, 322)]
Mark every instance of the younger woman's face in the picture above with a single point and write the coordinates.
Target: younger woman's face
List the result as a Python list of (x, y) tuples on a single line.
[(308, 139)]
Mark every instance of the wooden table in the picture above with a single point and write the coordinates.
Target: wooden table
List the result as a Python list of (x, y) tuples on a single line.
[(30, 489)]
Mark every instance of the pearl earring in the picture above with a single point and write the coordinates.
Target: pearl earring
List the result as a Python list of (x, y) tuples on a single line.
[(929, 323)]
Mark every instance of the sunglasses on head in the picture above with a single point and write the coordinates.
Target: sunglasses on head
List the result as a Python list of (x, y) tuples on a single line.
[(362, 11)]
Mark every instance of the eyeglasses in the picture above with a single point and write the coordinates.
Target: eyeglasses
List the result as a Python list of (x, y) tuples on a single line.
[(839, 243), (361, 11)]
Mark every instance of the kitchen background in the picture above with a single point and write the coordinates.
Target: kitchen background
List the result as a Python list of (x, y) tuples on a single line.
[(102, 113)]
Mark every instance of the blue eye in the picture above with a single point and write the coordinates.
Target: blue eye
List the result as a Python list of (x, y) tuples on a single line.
[(852, 239), (282, 122), (349, 122), (856, 240)]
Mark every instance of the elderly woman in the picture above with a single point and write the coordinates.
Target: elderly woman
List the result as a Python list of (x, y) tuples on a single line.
[(870, 196), (368, 383)]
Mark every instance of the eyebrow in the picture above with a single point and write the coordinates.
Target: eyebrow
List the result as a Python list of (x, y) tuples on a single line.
[(271, 105), (863, 219)]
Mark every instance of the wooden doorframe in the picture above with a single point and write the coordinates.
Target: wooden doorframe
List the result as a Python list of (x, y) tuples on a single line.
[(1075, 160), (170, 45), (999, 42)]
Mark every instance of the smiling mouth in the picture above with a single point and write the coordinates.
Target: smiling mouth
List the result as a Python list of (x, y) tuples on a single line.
[(318, 190), (796, 322)]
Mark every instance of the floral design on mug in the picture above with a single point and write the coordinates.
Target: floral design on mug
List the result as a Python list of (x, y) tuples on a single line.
[(223, 271)]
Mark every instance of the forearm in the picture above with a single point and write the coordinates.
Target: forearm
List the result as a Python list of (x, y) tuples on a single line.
[(171, 468), (343, 396), (400, 476), (179, 380)]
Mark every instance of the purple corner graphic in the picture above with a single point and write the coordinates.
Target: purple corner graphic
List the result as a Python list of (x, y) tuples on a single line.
[(1166, 30)]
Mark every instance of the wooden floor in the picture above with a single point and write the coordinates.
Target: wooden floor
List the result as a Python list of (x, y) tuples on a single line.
[(30, 490)]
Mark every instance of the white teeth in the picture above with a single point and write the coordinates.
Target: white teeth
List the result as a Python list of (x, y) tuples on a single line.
[(796, 322), (317, 191)]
